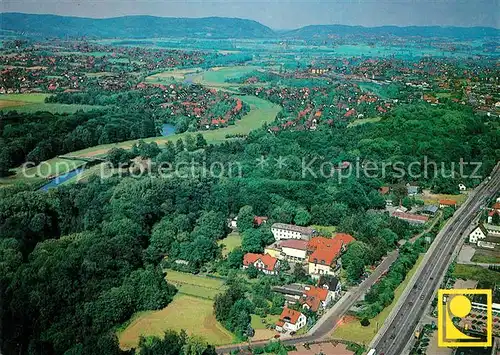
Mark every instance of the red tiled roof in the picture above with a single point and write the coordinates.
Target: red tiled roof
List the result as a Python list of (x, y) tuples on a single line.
[(414, 217), (289, 316), (294, 244), (384, 190), (258, 220), (344, 238), (268, 260), (314, 297), (325, 255), (496, 206), (317, 242), (448, 202)]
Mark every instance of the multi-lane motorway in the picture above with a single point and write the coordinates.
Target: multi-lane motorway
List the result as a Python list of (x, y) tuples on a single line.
[(395, 336)]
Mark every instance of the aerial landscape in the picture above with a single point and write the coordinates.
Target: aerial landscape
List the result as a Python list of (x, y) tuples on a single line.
[(246, 178)]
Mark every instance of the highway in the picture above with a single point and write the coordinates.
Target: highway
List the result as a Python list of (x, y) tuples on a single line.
[(394, 337)]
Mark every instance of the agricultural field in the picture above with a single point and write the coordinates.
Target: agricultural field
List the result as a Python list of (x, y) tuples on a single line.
[(194, 315), (231, 242), (351, 329), (170, 76), (194, 285), (36, 102)]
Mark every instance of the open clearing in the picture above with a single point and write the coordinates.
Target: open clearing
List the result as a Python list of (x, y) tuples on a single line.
[(231, 242), (194, 315), (352, 330), (195, 285), (360, 121), (430, 198)]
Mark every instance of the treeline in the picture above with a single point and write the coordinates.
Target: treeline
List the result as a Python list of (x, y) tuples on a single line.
[(381, 294), (36, 137)]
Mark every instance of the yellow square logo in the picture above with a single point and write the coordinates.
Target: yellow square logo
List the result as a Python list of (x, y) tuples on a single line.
[(458, 303)]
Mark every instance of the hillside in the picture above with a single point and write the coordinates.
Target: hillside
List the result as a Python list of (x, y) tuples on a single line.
[(210, 27), (132, 26), (325, 31)]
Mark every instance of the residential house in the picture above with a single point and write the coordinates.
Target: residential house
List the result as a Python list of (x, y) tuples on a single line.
[(316, 298), (233, 223), (290, 321), (259, 220), (289, 231), (430, 210), (291, 250), (332, 284), (324, 254), (486, 236), (384, 190), (491, 214), (410, 218), (447, 203), (262, 262), (412, 190)]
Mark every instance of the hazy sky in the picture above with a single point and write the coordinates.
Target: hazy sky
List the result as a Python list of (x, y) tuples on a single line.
[(283, 14)]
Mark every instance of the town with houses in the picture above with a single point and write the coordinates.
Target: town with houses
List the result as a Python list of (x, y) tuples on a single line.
[(200, 186)]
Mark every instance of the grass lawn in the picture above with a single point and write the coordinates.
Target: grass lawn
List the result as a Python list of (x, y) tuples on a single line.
[(231, 242), (486, 256), (256, 321), (360, 121), (472, 272), (195, 285), (353, 331), (326, 231), (194, 315), (218, 76)]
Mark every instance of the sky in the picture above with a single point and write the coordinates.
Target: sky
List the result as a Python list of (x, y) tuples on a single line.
[(283, 14)]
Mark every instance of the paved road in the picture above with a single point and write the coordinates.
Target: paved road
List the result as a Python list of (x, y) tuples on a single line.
[(329, 321), (394, 337)]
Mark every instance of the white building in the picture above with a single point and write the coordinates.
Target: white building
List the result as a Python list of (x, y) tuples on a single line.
[(289, 231), (290, 321), (485, 236), (262, 262), (291, 250)]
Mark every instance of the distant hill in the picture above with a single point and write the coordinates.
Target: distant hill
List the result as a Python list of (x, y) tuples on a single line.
[(132, 26), (209, 27), (324, 31)]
